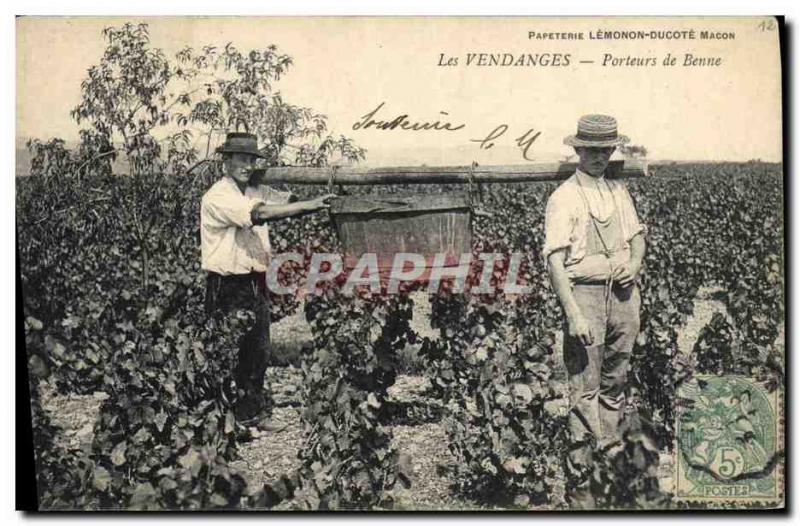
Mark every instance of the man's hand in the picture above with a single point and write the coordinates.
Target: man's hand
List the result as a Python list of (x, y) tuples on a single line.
[(322, 202), (257, 214), (626, 273), (263, 213), (579, 328)]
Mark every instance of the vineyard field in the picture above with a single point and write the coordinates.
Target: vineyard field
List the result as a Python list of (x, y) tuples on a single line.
[(423, 437), (409, 402)]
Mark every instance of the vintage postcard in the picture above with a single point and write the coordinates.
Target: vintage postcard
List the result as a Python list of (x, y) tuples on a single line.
[(402, 263)]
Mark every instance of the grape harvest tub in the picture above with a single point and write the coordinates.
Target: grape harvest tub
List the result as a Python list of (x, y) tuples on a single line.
[(425, 224)]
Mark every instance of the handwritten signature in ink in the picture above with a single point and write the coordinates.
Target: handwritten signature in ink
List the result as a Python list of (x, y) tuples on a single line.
[(372, 121), (524, 141)]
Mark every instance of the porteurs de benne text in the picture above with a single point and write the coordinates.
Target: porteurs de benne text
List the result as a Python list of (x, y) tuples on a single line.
[(566, 59)]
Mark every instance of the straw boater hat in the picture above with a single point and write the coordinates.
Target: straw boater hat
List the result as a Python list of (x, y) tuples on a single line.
[(599, 131), (236, 142)]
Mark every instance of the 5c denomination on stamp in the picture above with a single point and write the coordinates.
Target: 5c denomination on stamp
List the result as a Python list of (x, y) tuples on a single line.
[(729, 442)]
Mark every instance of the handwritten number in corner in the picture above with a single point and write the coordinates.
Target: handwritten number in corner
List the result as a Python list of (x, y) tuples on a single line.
[(767, 25)]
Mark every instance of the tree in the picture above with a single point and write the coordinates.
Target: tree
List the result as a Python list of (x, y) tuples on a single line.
[(52, 159), (231, 90), (125, 95), (154, 109), (160, 108), (633, 150)]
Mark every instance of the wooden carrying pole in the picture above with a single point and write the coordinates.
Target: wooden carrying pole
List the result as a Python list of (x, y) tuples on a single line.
[(350, 175)]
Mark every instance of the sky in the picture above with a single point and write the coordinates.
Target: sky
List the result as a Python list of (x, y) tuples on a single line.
[(346, 67)]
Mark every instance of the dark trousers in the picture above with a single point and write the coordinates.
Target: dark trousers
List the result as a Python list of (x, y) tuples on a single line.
[(598, 374), (228, 294)]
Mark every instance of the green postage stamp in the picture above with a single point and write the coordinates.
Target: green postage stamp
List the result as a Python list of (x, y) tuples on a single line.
[(730, 442)]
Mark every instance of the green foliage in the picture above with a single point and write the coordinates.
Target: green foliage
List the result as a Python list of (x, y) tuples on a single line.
[(625, 472), (755, 301), (62, 473), (156, 109), (633, 150), (138, 332), (504, 427), (493, 364), (446, 361), (133, 241), (50, 159), (166, 433), (348, 461), (227, 89), (126, 94), (714, 347), (657, 366), (709, 224)]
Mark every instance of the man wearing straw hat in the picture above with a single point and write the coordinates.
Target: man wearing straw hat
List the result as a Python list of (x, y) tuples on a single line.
[(235, 249), (594, 246)]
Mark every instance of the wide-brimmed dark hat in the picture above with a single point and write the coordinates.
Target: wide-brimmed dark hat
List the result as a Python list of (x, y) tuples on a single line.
[(599, 131), (237, 142)]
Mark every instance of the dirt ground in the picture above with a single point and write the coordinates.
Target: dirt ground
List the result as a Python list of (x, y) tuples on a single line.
[(275, 452)]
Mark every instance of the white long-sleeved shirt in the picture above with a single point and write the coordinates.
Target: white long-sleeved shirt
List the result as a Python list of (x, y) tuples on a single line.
[(229, 241), (567, 215)]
